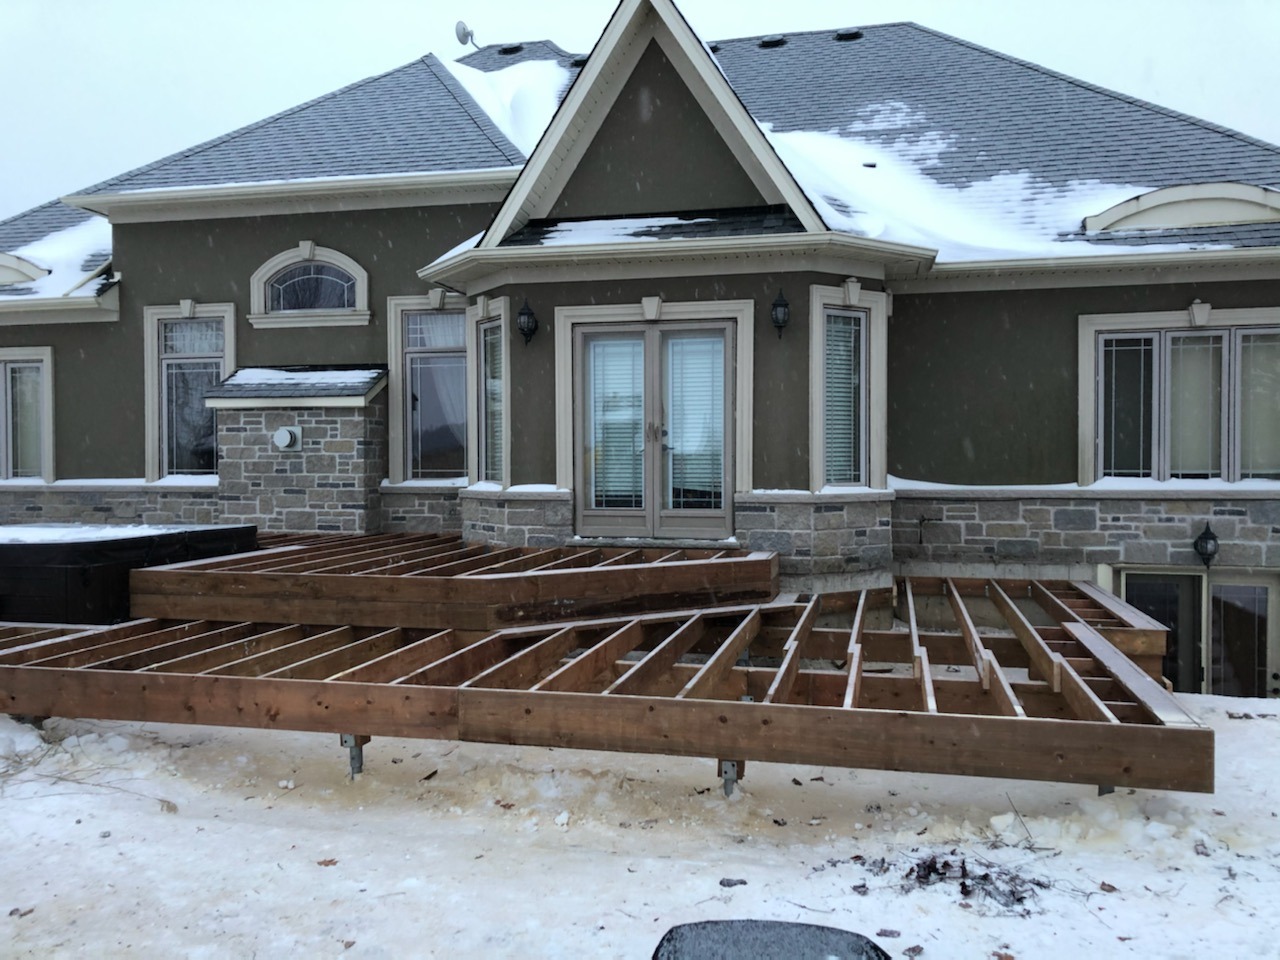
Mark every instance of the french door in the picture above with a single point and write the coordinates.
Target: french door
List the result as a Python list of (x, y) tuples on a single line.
[(653, 427), (1224, 629)]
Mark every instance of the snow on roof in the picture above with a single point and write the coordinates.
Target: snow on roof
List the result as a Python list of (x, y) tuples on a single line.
[(70, 255), (519, 99), (614, 230), (273, 376), (862, 187)]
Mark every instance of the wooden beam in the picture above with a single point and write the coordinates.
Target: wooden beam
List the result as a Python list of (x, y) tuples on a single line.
[(660, 659), (919, 656), (397, 663), (530, 664), (721, 662), (1162, 706), (168, 649), (853, 687), (587, 666), (203, 657), (326, 663), (1027, 748), (780, 689), (265, 661), (525, 561), (81, 654)]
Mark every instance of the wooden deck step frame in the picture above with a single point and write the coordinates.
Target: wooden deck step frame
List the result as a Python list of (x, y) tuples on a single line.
[(972, 677), (403, 580)]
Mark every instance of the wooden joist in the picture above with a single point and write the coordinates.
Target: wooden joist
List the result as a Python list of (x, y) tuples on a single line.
[(1035, 692)]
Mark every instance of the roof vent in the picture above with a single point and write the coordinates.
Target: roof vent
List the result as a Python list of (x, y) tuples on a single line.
[(713, 47), (848, 33), (773, 40), (510, 49), (578, 62)]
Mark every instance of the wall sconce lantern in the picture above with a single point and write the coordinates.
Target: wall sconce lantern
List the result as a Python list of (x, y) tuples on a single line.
[(780, 313), (527, 322), (1206, 546)]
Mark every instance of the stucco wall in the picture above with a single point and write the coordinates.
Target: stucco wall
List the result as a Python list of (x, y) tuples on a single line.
[(982, 386), (98, 367), (656, 152), (781, 395)]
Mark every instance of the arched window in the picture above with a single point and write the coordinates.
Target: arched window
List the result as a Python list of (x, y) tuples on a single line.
[(309, 286)]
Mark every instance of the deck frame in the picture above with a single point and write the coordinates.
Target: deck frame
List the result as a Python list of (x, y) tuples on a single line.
[(1003, 678)]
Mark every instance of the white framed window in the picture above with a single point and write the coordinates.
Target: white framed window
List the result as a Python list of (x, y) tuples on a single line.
[(26, 413), (188, 347), (427, 354), (848, 360), (309, 286), (1180, 396), (492, 408)]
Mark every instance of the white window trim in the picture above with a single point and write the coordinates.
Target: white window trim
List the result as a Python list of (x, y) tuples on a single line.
[(740, 312), (397, 429), (44, 357), (308, 252), (482, 312), (850, 296), (1198, 316), (152, 317)]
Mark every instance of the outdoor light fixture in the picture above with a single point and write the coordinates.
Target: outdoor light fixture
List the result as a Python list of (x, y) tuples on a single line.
[(780, 312), (527, 322), (1206, 545)]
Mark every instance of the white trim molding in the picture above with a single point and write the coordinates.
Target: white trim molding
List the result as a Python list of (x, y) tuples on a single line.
[(1190, 205), (591, 97), (44, 357), (875, 305), (1197, 316), (483, 312), (152, 317), (307, 251), (16, 270), (739, 312), (300, 196), (397, 307)]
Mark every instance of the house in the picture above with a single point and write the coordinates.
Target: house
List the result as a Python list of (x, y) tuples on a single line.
[(872, 298)]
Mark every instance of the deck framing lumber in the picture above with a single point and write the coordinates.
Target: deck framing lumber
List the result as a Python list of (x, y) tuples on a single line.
[(671, 681)]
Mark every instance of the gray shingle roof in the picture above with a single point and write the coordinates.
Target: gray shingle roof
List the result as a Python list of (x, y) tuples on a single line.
[(690, 226), (997, 113), (1229, 235), (38, 222), (496, 56), (299, 381), (415, 119)]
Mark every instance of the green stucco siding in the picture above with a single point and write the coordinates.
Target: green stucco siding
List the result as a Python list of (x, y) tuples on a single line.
[(656, 152), (982, 386)]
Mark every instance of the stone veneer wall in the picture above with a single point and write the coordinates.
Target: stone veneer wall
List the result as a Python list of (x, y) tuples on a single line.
[(419, 508), (113, 502), (819, 537), (331, 484), (968, 528), (517, 518)]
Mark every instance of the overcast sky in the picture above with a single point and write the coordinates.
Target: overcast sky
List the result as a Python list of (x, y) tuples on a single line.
[(92, 88)]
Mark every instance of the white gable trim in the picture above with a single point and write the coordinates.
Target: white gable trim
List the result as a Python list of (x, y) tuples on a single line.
[(16, 270), (1190, 205), (593, 94)]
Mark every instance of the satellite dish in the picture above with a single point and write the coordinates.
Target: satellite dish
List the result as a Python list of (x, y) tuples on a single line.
[(465, 35)]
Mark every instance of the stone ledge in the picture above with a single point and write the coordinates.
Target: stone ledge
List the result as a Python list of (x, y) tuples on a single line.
[(514, 493), (806, 496)]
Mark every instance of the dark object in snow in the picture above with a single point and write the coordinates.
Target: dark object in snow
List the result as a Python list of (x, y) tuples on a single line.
[(763, 940), (731, 882), (66, 580)]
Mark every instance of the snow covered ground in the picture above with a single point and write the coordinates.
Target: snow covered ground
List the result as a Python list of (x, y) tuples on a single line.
[(122, 839)]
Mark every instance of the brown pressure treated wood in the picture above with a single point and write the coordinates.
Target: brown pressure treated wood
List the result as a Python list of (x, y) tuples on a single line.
[(1010, 678), (403, 580)]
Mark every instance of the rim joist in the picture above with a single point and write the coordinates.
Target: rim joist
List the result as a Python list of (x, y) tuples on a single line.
[(402, 580)]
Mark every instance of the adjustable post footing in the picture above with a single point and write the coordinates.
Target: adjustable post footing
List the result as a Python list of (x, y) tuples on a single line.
[(354, 742), (731, 771), (1104, 790)]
